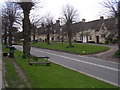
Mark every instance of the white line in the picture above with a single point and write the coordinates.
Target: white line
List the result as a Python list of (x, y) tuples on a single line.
[(81, 71), (87, 74), (77, 55), (81, 61), (81, 56)]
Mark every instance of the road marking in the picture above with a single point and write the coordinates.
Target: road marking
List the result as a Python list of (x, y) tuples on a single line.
[(75, 55), (79, 56), (87, 74), (81, 71), (81, 61), (78, 60)]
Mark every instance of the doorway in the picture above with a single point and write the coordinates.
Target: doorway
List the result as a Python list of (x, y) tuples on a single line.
[(97, 39)]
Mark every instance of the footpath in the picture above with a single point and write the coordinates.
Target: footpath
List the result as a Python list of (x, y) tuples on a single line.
[(108, 55)]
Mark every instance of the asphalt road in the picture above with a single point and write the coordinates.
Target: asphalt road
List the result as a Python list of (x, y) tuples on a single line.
[(103, 70)]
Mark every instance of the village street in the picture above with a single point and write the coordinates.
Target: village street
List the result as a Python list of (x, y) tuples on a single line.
[(103, 70)]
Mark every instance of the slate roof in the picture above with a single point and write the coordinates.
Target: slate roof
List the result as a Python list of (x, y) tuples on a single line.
[(83, 26), (96, 24)]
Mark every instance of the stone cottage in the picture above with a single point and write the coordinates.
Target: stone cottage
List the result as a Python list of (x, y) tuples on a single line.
[(97, 31)]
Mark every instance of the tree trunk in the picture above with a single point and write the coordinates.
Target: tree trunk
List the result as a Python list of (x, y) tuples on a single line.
[(48, 34), (26, 35), (10, 35), (69, 35), (34, 34), (5, 35), (119, 26), (48, 39), (26, 6)]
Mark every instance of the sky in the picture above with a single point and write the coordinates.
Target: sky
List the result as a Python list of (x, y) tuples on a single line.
[(87, 9)]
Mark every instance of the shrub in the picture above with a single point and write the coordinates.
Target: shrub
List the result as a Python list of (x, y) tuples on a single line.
[(91, 41), (107, 42), (117, 54), (114, 41), (78, 41)]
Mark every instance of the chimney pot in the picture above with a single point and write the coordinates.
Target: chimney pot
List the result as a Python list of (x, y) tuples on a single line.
[(83, 20), (101, 18)]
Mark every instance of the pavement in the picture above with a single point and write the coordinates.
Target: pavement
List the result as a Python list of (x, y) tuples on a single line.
[(108, 55), (106, 71)]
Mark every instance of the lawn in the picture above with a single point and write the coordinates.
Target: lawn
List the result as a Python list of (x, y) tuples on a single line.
[(79, 48), (56, 76), (11, 76)]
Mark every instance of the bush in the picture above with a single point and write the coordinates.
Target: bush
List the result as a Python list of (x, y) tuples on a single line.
[(91, 42), (114, 41), (107, 42), (117, 54), (78, 41)]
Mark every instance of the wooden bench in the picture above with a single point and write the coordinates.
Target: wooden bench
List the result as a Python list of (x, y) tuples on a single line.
[(36, 59), (47, 63)]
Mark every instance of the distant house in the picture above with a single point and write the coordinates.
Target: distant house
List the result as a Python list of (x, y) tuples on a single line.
[(97, 31), (55, 32)]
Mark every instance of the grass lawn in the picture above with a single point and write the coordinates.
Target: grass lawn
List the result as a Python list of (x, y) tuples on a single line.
[(56, 76), (79, 48), (11, 76)]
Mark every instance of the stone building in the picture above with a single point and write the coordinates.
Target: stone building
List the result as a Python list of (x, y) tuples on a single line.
[(97, 31)]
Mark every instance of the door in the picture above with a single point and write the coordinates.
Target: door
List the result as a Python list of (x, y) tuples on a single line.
[(97, 39), (84, 39)]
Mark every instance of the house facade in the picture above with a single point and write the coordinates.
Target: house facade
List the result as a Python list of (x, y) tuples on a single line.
[(97, 31)]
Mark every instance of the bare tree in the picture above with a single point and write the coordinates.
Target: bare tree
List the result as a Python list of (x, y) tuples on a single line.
[(26, 6), (34, 23), (48, 22), (5, 25), (69, 14), (10, 16), (111, 6), (114, 9)]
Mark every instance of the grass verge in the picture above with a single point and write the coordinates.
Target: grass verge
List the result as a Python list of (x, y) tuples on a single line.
[(56, 76), (82, 49), (11, 76)]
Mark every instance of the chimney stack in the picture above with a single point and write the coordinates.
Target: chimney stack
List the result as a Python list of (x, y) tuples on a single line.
[(58, 21), (83, 20), (101, 18)]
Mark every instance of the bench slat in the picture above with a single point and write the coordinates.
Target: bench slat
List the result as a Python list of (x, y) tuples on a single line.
[(47, 63), (40, 57), (38, 62)]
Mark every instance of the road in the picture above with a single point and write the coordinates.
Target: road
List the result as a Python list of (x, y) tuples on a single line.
[(103, 70)]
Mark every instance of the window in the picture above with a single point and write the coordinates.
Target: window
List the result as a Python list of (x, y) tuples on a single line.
[(81, 38), (90, 37)]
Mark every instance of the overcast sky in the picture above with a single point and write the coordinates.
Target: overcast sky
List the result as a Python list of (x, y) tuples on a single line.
[(88, 9)]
